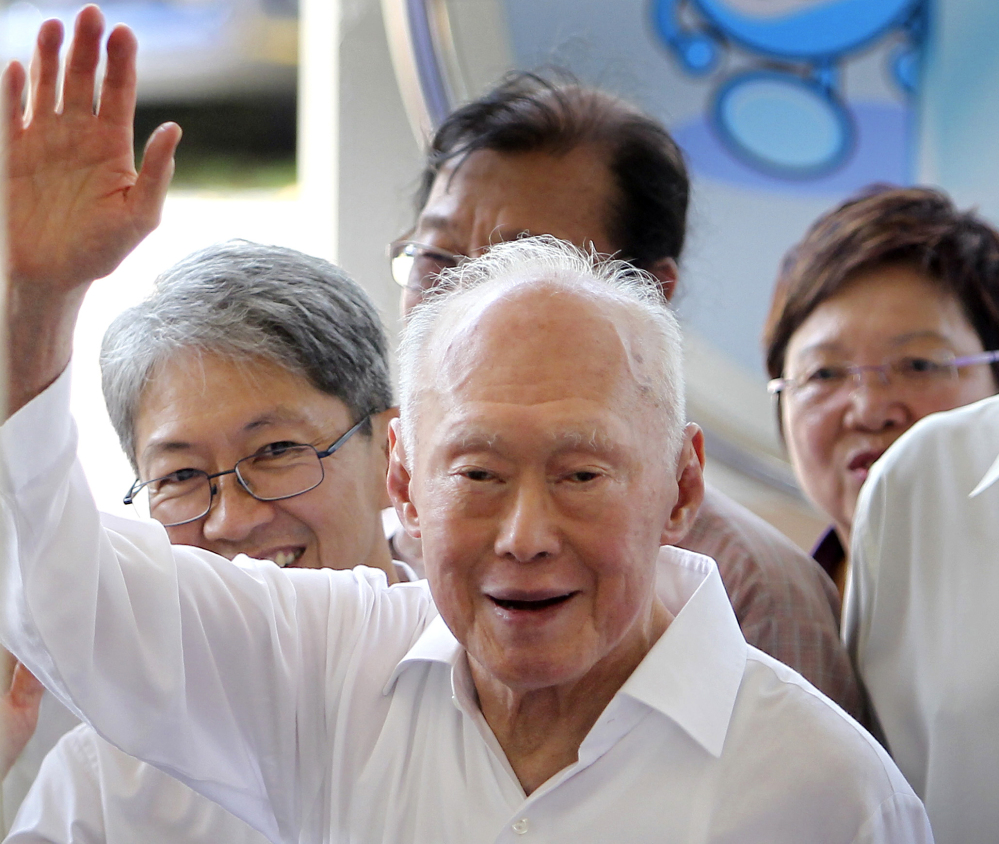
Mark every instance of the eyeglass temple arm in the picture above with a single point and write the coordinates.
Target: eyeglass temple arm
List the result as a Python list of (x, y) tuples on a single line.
[(336, 446)]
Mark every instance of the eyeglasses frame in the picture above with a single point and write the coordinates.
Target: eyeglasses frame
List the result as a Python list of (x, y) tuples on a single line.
[(775, 386), (398, 247), (139, 484)]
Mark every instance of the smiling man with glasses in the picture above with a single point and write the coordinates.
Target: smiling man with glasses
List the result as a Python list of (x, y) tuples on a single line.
[(251, 394)]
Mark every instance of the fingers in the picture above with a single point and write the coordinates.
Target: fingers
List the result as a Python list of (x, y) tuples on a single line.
[(146, 196), (45, 70), (25, 688), (81, 63), (118, 91), (11, 91)]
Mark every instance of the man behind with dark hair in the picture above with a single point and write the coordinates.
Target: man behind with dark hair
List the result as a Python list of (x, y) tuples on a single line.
[(536, 156)]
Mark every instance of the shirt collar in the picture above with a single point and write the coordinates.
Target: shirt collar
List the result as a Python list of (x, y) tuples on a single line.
[(436, 644), (991, 476), (404, 571), (691, 675)]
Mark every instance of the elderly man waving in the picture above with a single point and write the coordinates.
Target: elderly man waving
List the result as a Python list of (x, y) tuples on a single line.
[(537, 686)]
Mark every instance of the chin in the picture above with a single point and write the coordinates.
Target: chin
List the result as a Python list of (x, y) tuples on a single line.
[(531, 672)]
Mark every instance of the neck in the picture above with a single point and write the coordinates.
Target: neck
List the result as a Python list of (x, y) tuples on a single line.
[(381, 558), (540, 730), (839, 574)]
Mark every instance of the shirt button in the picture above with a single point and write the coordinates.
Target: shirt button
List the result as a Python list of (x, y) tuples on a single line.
[(520, 827)]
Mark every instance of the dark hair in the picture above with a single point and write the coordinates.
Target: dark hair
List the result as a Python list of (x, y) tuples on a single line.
[(244, 300), (882, 226), (528, 112)]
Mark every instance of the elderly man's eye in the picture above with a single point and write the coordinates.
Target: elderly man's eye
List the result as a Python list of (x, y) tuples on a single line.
[(583, 476), (176, 483), (477, 474)]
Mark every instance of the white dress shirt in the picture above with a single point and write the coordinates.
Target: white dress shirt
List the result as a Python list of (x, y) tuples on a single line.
[(54, 721), (325, 706), (85, 789), (920, 614), (89, 791)]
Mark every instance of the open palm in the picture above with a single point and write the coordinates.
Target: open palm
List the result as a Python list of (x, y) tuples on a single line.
[(76, 205)]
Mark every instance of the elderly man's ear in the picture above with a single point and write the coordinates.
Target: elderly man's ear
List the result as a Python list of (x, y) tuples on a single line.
[(380, 434), (690, 486), (399, 479)]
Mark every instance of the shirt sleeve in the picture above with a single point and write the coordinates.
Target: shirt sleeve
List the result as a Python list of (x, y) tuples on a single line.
[(218, 674), (901, 819), (89, 792)]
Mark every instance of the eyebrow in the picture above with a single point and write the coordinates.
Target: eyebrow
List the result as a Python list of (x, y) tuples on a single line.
[(438, 222), (928, 334), (279, 416), (588, 439), (899, 340)]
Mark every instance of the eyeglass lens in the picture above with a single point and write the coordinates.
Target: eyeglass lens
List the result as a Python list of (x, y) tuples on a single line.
[(910, 372), (418, 267), (271, 475)]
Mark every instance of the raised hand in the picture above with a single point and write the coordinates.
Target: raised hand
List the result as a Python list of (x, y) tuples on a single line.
[(76, 205)]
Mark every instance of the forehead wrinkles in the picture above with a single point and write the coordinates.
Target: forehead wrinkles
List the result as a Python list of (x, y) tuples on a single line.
[(521, 345), (470, 434)]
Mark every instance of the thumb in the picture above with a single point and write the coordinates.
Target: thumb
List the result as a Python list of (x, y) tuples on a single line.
[(149, 191)]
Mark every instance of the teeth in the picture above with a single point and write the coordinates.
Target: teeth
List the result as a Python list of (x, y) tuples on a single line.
[(285, 558)]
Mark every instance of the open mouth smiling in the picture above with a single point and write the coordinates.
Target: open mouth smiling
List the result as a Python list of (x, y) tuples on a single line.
[(530, 604)]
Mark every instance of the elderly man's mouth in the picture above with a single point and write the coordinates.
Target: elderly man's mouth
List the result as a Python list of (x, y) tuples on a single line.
[(531, 604)]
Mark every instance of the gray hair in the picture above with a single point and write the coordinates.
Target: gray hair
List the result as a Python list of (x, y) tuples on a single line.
[(244, 300), (545, 259)]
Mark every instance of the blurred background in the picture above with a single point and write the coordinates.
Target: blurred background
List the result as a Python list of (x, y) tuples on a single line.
[(304, 122)]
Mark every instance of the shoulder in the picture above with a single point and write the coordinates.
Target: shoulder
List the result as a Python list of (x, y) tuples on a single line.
[(742, 542), (921, 486), (808, 740), (766, 575), (965, 440), (83, 754)]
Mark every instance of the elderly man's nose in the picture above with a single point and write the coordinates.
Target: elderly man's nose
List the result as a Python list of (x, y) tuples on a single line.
[(235, 513), (528, 530)]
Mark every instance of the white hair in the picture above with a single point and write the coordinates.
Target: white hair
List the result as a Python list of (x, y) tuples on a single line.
[(527, 261)]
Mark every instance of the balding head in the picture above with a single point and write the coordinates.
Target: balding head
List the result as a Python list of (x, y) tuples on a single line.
[(539, 301)]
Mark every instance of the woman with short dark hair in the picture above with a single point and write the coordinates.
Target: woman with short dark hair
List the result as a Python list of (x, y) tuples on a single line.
[(886, 311)]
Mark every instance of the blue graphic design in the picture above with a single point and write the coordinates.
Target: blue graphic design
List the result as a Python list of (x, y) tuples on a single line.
[(785, 117)]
